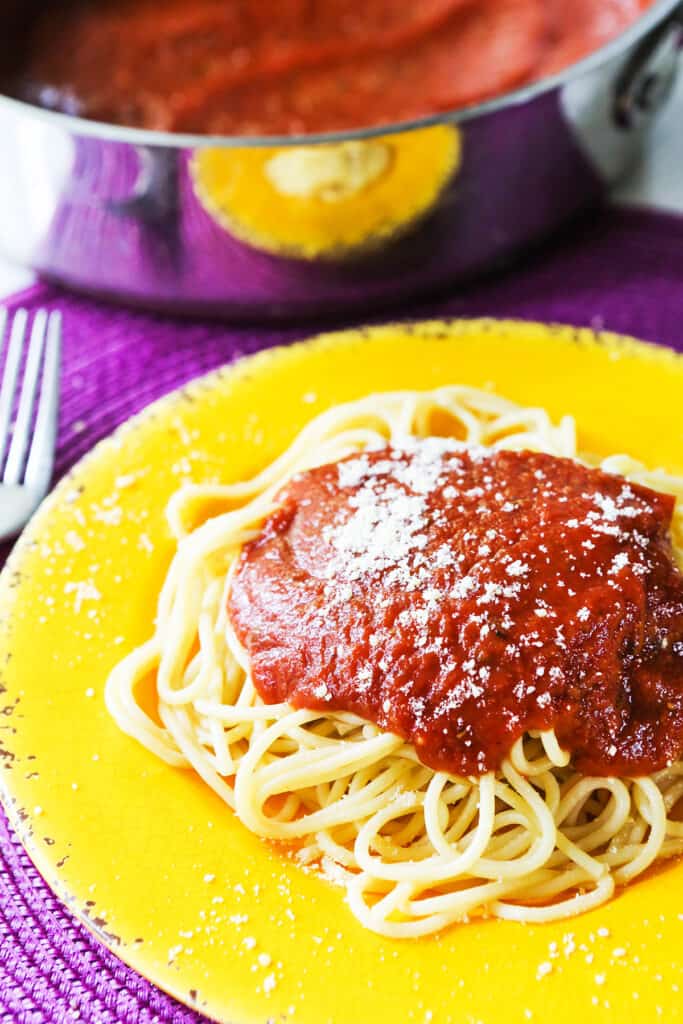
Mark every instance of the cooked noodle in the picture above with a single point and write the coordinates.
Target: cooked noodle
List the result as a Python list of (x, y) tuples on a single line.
[(416, 849)]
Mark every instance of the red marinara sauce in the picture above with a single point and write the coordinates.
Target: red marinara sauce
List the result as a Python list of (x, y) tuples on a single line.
[(460, 597), (286, 66)]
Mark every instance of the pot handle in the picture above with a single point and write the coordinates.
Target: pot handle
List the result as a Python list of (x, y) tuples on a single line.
[(648, 78)]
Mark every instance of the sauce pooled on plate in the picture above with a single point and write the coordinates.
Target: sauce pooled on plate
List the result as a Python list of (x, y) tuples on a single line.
[(460, 597)]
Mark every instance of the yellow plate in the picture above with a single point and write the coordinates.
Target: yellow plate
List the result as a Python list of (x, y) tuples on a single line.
[(147, 855)]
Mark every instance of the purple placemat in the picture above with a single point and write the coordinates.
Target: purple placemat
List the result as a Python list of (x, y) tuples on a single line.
[(623, 272)]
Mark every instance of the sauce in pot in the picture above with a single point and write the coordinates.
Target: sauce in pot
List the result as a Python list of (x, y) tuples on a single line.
[(239, 67)]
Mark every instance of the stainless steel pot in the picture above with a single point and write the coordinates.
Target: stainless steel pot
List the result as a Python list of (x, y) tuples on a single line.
[(130, 215)]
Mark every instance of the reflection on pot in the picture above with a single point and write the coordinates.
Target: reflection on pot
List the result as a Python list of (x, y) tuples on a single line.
[(331, 200)]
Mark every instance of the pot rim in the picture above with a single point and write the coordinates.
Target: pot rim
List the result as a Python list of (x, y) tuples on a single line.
[(108, 132)]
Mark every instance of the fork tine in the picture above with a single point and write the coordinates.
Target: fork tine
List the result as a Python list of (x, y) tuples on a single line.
[(3, 324), (42, 454), (21, 434), (9, 380)]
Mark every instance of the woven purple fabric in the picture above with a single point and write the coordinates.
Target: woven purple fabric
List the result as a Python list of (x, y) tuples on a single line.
[(623, 272)]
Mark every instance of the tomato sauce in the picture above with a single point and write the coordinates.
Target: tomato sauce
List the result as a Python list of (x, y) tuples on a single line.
[(461, 597), (239, 67)]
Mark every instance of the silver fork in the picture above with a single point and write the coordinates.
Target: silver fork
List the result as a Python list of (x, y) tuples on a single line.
[(27, 448)]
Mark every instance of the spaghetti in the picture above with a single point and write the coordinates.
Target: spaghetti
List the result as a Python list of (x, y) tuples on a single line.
[(416, 848)]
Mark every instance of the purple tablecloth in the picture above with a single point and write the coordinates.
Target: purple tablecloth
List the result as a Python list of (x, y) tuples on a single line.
[(623, 271)]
